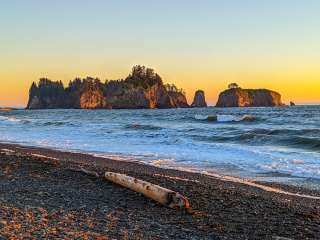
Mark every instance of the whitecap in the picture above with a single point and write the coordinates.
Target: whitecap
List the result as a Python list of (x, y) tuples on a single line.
[(205, 117), (9, 119), (297, 161), (224, 118)]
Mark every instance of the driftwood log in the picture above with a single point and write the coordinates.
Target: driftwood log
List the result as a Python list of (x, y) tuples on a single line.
[(159, 194)]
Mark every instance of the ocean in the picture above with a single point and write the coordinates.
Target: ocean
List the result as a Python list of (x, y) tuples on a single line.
[(269, 144)]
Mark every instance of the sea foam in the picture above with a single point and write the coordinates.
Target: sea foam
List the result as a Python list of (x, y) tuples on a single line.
[(224, 118)]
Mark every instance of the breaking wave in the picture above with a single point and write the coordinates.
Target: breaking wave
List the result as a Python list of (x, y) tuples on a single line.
[(225, 118), (9, 119)]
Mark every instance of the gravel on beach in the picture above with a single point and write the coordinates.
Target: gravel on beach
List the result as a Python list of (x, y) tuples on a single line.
[(48, 198)]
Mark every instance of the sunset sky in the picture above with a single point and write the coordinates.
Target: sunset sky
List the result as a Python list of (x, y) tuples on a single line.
[(196, 44)]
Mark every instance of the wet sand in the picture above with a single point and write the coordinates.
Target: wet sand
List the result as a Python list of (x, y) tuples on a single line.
[(44, 195)]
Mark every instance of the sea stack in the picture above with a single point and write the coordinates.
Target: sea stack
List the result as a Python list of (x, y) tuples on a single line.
[(238, 97), (292, 104), (199, 100), (142, 89)]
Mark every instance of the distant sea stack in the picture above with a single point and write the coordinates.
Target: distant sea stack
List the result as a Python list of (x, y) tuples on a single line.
[(292, 104), (143, 88), (238, 97), (199, 100)]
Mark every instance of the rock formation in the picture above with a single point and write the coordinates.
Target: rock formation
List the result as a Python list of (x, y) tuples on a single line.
[(292, 104), (47, 94), (238, 97), (143, 88), (199, 99), (93, 96)]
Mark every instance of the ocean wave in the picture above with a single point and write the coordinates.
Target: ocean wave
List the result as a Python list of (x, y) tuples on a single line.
[(305, 142), (142, 127), (9, 119), (286, 132), (258, 137), (57, 123), (210, 118), (240, 138), (225, 118)]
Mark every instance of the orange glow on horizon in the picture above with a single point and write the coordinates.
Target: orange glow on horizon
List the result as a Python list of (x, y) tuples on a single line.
[(302, 88), (257, 44)]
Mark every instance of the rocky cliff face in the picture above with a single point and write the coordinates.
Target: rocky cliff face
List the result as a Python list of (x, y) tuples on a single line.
[(47, 94), (199, 99), (238, 97), (92, 96), (143, 88), (178, 100)]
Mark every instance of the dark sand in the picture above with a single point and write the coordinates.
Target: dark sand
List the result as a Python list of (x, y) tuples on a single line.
[(44, 198)]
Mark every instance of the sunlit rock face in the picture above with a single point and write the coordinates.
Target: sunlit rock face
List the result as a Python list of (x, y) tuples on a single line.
[(199, 99), (238, 97), (143, 88), (93, 98)]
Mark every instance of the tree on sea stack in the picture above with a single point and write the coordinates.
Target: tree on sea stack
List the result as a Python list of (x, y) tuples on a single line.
[(233, 85)]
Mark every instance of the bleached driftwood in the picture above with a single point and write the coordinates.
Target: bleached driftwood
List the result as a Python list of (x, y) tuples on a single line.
[(92, 173), (162, 195), (85, 171)]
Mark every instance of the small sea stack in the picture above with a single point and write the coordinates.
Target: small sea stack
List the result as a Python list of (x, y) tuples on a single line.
[(292, 104), (199, 100)]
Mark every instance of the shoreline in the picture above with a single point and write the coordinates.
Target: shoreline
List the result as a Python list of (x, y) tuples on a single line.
[(222, 209), (264, 150), (85, 158)]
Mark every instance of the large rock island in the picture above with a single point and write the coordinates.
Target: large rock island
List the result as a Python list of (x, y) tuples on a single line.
[(238, 97), (143, 88)]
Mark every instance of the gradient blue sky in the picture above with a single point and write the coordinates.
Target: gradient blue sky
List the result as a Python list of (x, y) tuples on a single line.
[(195, 44)]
